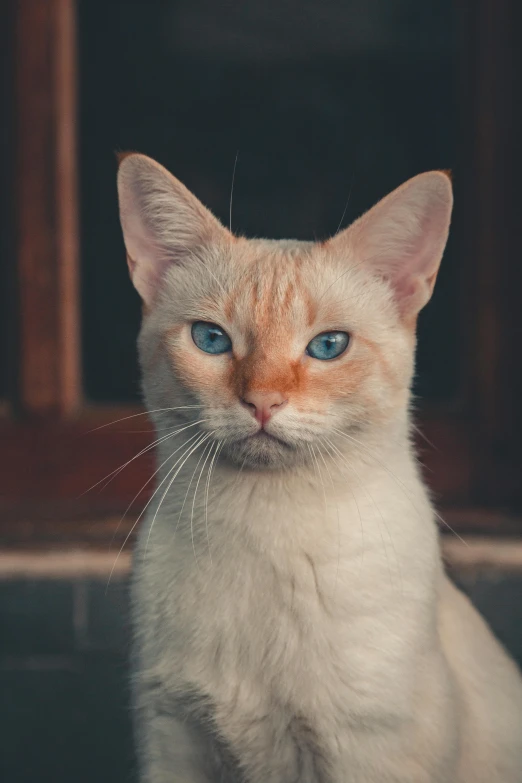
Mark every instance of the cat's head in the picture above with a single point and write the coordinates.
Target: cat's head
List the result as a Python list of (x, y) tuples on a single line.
[(281, 347)]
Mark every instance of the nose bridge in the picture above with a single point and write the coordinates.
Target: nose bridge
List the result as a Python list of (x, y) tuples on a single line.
[(260, 372), (254, 373)]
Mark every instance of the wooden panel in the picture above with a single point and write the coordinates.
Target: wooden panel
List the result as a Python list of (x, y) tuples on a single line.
[(46, 460), (46, 206), (46, 464), (493, 284), (6, 203), (52, 461)]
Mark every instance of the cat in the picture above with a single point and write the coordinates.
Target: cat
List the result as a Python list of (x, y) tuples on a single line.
[(292, 618)]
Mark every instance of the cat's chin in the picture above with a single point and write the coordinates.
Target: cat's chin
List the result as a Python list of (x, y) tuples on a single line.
[(264, 451)]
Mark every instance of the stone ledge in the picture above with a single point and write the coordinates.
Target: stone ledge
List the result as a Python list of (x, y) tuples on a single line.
[(63, 564), (473, 555), (476, 554)]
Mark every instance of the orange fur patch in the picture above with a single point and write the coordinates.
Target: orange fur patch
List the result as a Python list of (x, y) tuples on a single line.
[(259, 372), (274, 307)]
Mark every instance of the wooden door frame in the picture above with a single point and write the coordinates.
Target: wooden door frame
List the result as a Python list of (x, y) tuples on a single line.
[(49, 457)]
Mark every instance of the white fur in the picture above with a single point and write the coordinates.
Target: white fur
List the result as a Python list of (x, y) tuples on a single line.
[(299, 626)]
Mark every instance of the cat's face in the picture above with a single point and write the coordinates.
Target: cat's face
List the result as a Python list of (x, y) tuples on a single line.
[(282, 348), (255, 344)]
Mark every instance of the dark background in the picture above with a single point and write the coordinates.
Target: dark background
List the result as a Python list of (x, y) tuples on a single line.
[(328, 105)]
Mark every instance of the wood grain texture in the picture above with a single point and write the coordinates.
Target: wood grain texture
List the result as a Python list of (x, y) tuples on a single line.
[(45, 460), (492, 286), (49, 461), (49, 457), (46, 243)]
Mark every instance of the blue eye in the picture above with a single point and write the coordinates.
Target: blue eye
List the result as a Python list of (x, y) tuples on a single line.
[(328, 345), (210, 337)]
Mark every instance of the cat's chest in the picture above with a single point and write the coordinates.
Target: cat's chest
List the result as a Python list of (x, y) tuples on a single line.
[(289, 630)]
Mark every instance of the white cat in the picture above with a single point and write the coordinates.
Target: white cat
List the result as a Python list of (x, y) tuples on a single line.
[(293, 622)]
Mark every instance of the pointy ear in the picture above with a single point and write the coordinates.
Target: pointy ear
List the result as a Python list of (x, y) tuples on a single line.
[(162, 222), (403, 237)]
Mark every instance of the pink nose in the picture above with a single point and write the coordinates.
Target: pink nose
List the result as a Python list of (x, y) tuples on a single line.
[(263, 405)]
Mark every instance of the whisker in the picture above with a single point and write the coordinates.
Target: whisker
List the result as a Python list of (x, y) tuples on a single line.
[(342, 216), (117, 471), (170, 428), (136, 496), (184, 457), (201, 437), (188, 488), (194, 500), (232, 191), (424, 438), (185, 497), (143, 413), (346, 205), (452, 530), (207, 490)]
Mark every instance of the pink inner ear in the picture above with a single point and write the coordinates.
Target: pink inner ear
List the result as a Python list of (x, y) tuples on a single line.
[(406, 287), (144, 259), (416, 256), (145, 278), (161, 221), (403, 238)]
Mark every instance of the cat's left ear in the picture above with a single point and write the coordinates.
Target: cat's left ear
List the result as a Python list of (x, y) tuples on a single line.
[(162, 222), (403, 237)]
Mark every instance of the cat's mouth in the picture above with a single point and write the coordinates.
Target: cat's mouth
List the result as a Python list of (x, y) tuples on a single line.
[(263, 435), (265, 447), (262, 449)]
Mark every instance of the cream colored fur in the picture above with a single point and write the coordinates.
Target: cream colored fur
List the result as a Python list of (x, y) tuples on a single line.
[(299, 626)]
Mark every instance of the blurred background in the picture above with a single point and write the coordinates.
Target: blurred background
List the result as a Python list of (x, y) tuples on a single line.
[(322, 107)]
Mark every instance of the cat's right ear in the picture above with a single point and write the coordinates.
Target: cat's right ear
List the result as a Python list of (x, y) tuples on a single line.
[(162, 222), (402, 239)]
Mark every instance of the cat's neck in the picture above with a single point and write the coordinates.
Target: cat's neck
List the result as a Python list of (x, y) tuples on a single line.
[(354, 476), (346, 507)]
